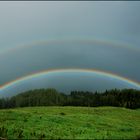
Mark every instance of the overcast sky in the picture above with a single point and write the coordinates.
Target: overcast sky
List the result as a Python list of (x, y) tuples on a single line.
[(28, 23)]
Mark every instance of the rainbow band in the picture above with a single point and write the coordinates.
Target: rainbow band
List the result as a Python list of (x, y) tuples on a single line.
[(79, 40), (99, 72)]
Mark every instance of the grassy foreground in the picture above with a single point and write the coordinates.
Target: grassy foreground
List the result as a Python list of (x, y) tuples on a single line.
[(70, 122)]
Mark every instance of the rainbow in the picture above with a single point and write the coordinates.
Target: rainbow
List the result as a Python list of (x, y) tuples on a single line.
[(64, 70), (68, 40)]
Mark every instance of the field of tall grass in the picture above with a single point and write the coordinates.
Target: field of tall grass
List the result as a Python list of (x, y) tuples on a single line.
[(70, 123)]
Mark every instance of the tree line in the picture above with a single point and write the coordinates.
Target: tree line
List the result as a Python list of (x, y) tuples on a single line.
[(128, 98)]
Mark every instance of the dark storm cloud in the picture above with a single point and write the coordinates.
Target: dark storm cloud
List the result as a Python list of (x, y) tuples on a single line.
[(23, 23)]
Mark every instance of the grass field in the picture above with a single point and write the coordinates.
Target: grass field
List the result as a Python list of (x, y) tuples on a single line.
[(70, 122)]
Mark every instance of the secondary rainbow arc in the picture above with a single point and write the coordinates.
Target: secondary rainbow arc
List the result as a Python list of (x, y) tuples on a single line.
[(99, 72), (67, 40)]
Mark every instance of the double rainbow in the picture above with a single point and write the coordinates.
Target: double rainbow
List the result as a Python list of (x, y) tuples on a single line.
[(95, 71)]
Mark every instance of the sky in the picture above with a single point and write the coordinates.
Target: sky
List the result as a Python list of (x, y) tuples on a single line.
[(37, 36)]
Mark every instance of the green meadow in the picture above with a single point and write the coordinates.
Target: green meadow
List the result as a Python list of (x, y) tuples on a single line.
[(70, 123)]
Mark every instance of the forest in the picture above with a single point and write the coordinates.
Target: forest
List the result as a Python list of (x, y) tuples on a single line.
[(128, 98)]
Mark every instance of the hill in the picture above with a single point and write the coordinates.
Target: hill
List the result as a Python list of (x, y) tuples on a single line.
[(70, 122)]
